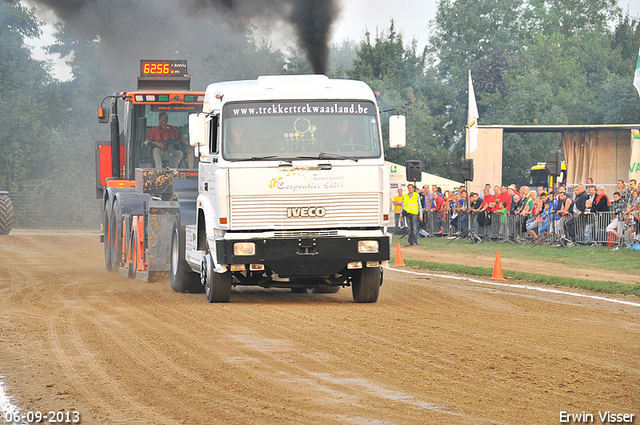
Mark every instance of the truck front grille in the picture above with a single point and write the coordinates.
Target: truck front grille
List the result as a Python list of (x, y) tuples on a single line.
[(306, 211)]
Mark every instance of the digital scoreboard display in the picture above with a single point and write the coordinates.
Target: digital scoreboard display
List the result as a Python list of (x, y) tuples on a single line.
[(163, 68)]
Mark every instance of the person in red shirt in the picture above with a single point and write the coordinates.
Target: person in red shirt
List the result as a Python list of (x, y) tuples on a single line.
[(484, 213), (505, 197), (437, 198), (159, 137), (495, 205)]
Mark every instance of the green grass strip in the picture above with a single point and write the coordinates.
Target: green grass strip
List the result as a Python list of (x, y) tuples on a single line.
[(603, 258), (593, 285)]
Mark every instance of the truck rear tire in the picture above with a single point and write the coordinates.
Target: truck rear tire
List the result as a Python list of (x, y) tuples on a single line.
[(115, 234), (106, 227), (6, 215), (366, 287), (217, 285), (182, 278)]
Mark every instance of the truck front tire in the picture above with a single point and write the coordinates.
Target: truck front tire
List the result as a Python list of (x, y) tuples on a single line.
[(182, 278), (217, 285), (366, 286)]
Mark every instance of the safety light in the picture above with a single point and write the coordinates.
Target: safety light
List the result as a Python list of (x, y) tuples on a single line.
[(163, 98)]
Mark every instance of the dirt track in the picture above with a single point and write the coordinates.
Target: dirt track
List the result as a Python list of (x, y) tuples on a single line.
[(432, 350)]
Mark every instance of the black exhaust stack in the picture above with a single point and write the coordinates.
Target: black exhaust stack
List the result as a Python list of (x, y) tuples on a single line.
[(115, 139)]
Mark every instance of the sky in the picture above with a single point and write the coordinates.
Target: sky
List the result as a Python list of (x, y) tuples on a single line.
[(411, 17)]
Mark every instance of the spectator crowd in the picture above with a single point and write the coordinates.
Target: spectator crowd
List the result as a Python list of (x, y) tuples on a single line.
[(546, 215)]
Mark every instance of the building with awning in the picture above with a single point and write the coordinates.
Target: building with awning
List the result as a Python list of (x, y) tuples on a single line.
[(605, 153)]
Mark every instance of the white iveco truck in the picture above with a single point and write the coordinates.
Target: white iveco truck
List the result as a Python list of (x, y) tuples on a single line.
[(293, 191)]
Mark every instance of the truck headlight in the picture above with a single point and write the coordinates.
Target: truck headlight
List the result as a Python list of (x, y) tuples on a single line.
[(368, 247), (244, 248)]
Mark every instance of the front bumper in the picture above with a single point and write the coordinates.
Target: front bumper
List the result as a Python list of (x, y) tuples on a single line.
[(303, 257)]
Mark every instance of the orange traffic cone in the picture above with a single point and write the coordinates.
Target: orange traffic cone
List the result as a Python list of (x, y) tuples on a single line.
[(497, 269), (399, 260)]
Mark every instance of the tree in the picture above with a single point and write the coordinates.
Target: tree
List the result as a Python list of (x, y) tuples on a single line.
[(341, 58), (23, 83), (397, 71), (535, 62), (481, 36), (27, 114), (570, 18)]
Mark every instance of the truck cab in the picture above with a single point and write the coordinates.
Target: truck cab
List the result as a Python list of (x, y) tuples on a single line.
[(146, 174), (163, 90), (292, 187)]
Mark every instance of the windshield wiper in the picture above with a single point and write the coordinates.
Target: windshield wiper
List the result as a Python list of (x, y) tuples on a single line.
[(256, 158), (327, 155)]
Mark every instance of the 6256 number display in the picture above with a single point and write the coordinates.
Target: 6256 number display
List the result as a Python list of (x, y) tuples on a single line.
[(165, 68)]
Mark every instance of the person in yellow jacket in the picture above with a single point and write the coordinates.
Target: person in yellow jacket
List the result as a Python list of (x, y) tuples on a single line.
[(397, 210), (412, 210)]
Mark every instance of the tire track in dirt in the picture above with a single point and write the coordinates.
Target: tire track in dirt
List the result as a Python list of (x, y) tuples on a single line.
[(432, 350), (86, 375), (132, 347), (250, 348)]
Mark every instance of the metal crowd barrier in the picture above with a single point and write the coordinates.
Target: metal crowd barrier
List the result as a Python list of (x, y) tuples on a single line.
[(589, 229)]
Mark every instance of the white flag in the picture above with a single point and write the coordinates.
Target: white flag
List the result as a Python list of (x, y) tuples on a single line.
[(636, 77), (472, 117)]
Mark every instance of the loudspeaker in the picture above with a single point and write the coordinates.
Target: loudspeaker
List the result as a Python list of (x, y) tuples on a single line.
[(554, 163), (414, 170), (466, 172)]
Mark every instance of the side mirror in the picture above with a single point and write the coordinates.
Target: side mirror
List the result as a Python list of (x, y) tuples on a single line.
[(198, 133), (103, 115), (397, 131)]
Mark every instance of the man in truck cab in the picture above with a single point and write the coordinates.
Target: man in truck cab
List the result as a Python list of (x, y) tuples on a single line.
[(163, 138)]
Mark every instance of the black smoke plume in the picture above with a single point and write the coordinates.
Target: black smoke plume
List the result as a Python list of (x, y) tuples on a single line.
[(151, 28), (312, 20)]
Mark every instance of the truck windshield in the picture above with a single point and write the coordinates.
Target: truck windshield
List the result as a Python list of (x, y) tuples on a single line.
[(539, 177), (300, 130), (159, 136)]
